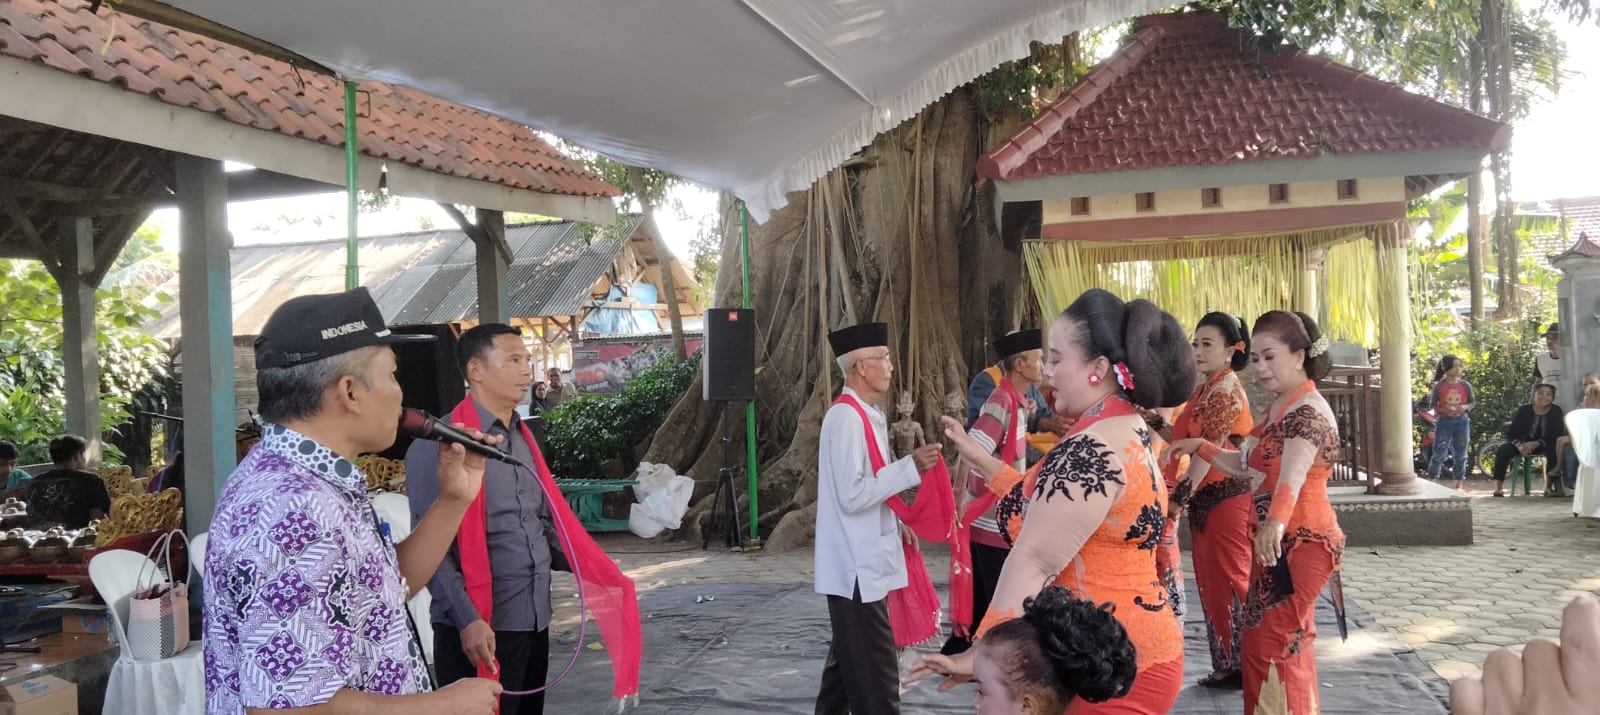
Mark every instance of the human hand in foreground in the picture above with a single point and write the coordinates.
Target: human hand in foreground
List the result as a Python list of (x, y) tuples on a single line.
[(1547, 679), (460, 471), (1269, 542), (1184, 447), (956, 669), (477, 641), (926, 457), (472, 696), (956, 434), (907, 535)]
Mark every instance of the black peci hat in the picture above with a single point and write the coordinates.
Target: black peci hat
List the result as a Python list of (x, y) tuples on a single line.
[(1019, 342), (313, 327), (856, 337)]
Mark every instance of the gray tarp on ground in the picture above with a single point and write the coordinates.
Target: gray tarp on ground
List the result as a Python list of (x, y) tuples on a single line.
[(760, 648)]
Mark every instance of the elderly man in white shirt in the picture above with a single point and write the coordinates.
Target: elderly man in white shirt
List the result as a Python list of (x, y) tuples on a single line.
[(859, 557)]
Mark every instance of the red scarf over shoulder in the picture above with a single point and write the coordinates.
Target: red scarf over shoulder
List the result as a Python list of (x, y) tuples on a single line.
[(914, 610), (961, 575), (607, 592)]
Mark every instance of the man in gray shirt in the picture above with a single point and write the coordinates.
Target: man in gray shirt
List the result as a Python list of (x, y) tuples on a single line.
[(513, 641)]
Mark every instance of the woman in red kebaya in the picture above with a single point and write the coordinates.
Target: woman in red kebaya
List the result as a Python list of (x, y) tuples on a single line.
[(1220, 512), (1090, 515), (1285, 464)]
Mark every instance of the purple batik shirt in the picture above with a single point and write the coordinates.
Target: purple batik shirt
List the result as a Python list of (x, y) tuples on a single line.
[(303, 593)]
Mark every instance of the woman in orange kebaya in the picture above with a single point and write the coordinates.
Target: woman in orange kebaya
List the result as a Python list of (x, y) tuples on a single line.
[(1297, 545), (1090, 515), (1220, 512)]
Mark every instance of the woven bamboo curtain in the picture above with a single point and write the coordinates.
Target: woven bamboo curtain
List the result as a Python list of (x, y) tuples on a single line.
[(1244, 275)]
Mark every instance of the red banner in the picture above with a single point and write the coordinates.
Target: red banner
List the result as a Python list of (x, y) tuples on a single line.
[(607, 367)]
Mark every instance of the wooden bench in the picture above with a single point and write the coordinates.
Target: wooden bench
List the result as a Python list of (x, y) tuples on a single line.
[(587, 496)]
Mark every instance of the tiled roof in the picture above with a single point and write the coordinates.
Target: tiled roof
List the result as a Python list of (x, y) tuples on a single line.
[(1583, 215), (1583, 247), (1186, 90), (188, 70), (420, 277)]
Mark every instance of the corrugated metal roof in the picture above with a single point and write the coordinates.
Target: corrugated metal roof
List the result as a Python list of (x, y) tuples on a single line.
[(423, 277)]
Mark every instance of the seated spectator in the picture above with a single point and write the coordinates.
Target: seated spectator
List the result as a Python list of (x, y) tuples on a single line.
[(67, 495), (8, 467), (1569, 456), (1534, 430)]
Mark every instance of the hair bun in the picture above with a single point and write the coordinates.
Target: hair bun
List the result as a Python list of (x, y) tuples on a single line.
[(1158, 354), (1088, 649)]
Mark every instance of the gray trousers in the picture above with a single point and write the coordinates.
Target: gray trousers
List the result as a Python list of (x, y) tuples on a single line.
[(862, 676)]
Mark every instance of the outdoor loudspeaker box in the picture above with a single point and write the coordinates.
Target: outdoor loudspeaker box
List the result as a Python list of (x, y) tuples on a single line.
[(428, 376), (729, 363)]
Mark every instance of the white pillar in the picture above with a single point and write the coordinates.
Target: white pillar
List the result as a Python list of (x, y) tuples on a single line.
[(1394, 347), (206, 298), (79, 335)]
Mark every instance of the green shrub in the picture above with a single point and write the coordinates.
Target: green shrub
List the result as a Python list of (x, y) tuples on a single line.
[(585, 433)]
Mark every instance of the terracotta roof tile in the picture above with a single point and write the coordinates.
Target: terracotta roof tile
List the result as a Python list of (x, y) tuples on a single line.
[(1186, 90), (1583, 247), (1583, 213), (399, 124)]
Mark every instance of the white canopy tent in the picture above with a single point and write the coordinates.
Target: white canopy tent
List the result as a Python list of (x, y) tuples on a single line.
[(758, 97)]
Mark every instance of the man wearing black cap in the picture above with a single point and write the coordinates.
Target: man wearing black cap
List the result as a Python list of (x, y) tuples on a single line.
[(306, 606), (1002, 427), (859, 558), (1547, 365)]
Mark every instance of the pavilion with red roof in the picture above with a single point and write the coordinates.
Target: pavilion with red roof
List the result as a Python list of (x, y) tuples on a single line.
[(1189, 147), (113, 116)]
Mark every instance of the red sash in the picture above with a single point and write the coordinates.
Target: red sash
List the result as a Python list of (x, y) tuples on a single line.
[(607, 592), (961, 575), (914, 610)]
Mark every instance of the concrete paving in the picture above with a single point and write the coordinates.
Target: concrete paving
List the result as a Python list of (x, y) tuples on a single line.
[(1452, 604)]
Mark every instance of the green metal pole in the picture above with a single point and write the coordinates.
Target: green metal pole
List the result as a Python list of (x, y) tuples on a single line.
[(352, 270), (749, 407)]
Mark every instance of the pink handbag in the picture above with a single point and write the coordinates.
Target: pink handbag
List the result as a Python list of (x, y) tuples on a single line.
[(158, 611)]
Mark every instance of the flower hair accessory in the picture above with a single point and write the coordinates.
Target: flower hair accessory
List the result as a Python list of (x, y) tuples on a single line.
[(1238, 347), (1124, 376), (1318, 348)]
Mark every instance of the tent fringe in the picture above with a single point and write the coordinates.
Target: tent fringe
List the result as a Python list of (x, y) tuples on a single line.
[(769, 194), (1243, 275)]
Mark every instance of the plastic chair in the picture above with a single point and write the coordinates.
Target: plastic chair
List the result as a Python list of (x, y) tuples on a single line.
[(197, 553), (395, 510), (1524, 466), (176, 685), (1583, 426)]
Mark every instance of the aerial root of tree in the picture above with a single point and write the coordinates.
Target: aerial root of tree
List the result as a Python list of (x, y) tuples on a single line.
[(900, 234)]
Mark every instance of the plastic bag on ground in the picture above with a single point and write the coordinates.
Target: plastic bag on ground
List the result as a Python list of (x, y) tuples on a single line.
[(663, 500)]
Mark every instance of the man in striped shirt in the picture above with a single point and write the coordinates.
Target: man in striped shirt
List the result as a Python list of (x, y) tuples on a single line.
[(1001, 426)]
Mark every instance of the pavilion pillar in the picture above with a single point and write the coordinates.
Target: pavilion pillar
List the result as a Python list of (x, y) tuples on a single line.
[(206, 297), (79, 335), (1309, 286), (493, 303), (1394, 348)]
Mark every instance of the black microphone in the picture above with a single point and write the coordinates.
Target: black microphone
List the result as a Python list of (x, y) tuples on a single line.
[(420, 425)]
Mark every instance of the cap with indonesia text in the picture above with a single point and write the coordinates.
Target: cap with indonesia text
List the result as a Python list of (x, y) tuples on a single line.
[(313, 327)]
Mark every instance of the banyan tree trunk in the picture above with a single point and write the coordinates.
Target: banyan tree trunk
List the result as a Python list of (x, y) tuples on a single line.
[(900, 234)]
